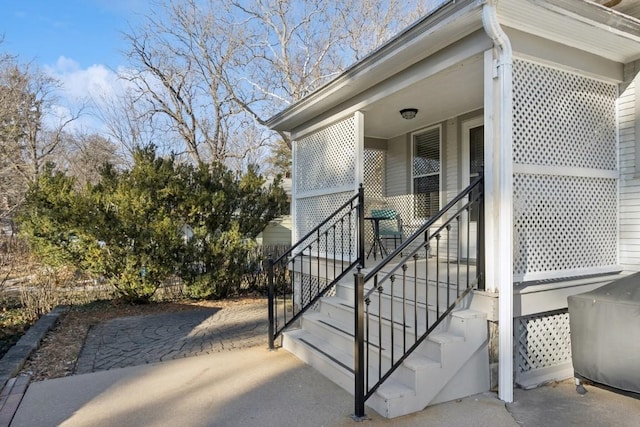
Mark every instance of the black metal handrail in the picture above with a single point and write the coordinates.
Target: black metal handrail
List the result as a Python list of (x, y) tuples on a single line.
[(291, 296), (406, 294)]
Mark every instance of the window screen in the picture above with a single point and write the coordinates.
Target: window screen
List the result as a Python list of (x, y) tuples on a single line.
[(426, 173)]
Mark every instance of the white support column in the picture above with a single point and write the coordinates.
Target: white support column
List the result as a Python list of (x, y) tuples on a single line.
[(491, 219), (359, 148), (294, 192), (502, 92)]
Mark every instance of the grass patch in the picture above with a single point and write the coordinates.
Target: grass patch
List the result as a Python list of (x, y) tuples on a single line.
[(13, 324)]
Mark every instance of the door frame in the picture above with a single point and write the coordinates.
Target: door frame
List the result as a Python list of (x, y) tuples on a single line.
[(465, 180), (466, 126)]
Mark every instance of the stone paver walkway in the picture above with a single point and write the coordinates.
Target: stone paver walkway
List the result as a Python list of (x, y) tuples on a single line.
[(131, 341)]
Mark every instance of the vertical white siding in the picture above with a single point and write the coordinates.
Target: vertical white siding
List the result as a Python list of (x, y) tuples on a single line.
[(629, 158), (398, 176), (398, 170), (451, 149)]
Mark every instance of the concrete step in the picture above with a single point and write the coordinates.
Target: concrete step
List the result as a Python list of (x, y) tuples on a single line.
[(449, 364), (334, 363)]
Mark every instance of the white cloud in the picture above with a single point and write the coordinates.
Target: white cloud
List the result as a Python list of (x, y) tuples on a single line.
[(94, 82), (86, 88)]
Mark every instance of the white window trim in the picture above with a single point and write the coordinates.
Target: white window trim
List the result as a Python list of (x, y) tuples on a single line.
[(467, 125), (412, 178)]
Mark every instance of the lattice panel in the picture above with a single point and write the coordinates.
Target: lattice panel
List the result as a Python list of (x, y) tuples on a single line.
[(311, 211), (374, 176), (562, 119), (326, 159), (563, 222), (374, 185), (543, 341)]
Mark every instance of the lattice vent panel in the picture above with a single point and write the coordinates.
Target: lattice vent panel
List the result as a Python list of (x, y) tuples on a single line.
[(374, 185), (543, 341), (563, 223), (326, 159), (562, 119), (374, 177), (311, 211)]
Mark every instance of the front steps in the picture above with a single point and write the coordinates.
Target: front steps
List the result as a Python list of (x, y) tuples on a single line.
[(451, 363)]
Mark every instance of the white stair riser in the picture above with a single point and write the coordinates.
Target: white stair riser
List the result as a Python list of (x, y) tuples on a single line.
[(342, 342), (343, 338), (337, 310), (331, 370), (341, 376)]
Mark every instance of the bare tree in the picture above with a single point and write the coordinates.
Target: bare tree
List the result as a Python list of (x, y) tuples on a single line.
[(213, 71), (128, 125), (178, 59), (294, 47), (32, 125), (84, 155)]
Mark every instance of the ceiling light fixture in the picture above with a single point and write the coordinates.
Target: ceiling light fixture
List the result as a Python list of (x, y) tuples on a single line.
[(408, 113)]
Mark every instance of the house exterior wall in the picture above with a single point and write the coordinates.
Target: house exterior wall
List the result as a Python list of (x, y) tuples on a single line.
[(398, 166), (277, 232), (629, 149), (398, 160), (399, 180)]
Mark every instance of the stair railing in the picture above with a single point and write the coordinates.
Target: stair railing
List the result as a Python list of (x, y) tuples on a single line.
[(311, 267), (400, 289)]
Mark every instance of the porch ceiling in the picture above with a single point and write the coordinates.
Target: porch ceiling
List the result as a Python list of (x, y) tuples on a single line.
[(450, 93)]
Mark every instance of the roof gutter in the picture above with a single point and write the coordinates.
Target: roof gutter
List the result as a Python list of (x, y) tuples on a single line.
[(503, 190)]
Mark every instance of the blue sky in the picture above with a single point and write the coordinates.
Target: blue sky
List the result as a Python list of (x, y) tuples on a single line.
[(85, 31), (78, 42)]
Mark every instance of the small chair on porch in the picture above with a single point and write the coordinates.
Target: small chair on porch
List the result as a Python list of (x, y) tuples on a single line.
[(390, 225)]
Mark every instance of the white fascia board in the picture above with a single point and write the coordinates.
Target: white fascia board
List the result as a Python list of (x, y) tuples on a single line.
[(595, 15), (579, 24)]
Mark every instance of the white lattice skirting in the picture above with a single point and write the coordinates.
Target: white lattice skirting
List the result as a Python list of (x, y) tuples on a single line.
[(543, 348)]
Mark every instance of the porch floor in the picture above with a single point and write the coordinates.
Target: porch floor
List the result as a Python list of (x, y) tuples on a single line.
[(447, 270)]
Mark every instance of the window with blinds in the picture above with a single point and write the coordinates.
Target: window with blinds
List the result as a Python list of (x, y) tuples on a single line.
[(476, 158), (476, 151), (426, 173)]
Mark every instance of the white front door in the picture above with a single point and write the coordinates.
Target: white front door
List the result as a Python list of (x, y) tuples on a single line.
[(472, 164)]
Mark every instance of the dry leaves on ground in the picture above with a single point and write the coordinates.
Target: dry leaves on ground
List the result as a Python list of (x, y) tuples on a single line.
[(56, 357)]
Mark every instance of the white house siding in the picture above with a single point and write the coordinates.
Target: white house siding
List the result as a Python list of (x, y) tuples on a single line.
[(398, 179), (398, 175), (277, 232), (628, 128), (398, 171)]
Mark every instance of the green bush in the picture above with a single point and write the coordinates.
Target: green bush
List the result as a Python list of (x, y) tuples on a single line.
[(138, 228)]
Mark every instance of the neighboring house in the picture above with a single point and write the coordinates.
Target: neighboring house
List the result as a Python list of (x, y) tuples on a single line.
[(538, 94), (278, 231)]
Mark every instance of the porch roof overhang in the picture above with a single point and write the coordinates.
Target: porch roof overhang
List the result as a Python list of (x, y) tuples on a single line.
[(583, 25)]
